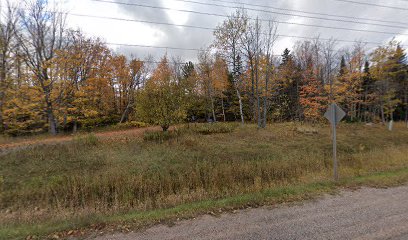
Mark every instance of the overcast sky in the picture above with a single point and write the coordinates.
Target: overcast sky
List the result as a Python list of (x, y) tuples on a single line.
[(158, 35)]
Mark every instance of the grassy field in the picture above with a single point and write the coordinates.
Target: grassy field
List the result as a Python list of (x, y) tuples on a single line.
[(133, 181)]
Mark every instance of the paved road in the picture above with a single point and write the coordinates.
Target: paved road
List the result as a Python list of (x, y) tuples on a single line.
[(363, 214)]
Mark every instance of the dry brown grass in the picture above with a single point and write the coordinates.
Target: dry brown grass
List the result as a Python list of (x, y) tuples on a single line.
[(89, 176)]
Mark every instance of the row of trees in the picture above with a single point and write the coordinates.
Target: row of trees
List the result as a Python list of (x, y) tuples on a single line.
[(59, 79)]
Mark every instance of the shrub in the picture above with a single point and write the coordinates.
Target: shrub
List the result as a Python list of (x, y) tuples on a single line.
[(214, 128), (26, 128), (87, 140), (89, 124), (160, 136), (132, 124)]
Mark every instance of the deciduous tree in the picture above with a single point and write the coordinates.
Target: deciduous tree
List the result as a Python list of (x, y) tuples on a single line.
[(161, 102), (41, 36)]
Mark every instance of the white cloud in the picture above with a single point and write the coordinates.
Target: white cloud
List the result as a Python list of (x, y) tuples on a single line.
[(159, 35), (175, 16)]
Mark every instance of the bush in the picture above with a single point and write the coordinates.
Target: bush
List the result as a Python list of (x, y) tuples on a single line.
[(16, 132), (132, 124), (214, 128), (89, 124), (87, 140), (26, 128), (160, 136)]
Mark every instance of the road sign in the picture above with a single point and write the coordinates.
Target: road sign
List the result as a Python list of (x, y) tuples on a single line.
[(334, 114)]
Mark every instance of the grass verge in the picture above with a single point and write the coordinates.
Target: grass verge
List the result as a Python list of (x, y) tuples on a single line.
[(97, 183), (97, 224)]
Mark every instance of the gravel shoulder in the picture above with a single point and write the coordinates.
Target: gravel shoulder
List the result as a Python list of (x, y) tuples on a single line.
[(363, 214)]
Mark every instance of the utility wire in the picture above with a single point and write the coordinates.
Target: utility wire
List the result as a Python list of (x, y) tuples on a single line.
[(205, 28), (219, 5), (226, 16), (329, 39), (209, 28), (160, 47), (140, 21), (314, 13), (150, 46), (373, 4)]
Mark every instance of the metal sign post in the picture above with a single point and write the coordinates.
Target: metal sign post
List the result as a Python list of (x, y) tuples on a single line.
[(334, 114)]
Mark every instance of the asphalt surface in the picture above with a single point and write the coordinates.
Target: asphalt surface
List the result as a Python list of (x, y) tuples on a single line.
[(363, 214)]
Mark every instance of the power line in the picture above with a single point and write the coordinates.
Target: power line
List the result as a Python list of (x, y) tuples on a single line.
[(159, 47), (140, 21), (259, 10), (225, 16), (214, 14), (150, 46), (142, 61), (209, 28), (314, 13), (328, 39), (205, 28), (373, 4)]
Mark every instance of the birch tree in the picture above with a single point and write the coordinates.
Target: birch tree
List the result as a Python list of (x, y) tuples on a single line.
[(270, 38), (227, 40), (205, 73), (383, 70)]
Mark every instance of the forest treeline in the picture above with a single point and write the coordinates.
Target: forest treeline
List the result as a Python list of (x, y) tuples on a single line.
[(57, 79)]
